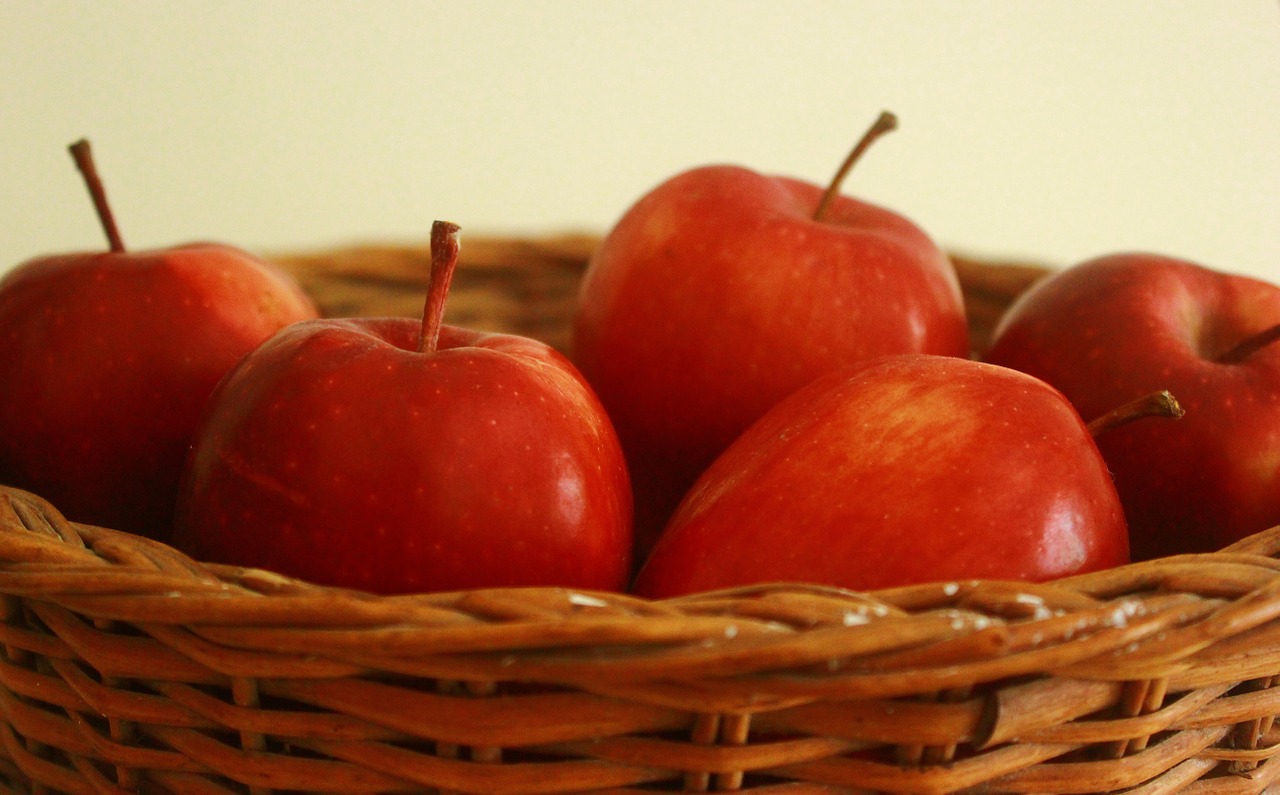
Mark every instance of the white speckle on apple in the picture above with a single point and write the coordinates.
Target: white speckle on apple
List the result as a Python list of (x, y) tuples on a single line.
[(951, 589), (569, 492), (1063, 539), (852, 618)]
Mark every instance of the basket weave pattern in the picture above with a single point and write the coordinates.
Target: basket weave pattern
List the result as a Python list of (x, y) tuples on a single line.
[(128, 667)]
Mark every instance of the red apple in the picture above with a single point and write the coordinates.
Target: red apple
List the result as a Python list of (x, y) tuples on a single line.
[(724, 290), (1123, 324), (902, 470), (107, 358), (395, 456)]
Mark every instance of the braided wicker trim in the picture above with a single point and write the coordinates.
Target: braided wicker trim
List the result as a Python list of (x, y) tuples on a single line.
[(130, 667)]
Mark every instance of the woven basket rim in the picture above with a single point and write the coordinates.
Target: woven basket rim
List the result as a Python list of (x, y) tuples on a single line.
[(1159, 618)]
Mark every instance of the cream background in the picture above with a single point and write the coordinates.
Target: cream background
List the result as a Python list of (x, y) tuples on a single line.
[(1049, 129)]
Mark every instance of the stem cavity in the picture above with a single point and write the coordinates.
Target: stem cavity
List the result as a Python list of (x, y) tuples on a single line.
[(1250, 345)]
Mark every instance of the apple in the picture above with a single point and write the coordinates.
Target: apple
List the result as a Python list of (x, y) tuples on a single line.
[(723, 290), (107, 358), (1126, 323), (396, 456), (902, 470)]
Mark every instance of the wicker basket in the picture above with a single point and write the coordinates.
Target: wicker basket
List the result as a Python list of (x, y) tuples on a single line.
[(130, 668)]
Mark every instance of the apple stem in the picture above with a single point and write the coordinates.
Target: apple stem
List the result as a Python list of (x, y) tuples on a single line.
[(885, 123), (1156, 404), (1250, 345), (444, 260), (82, 153)]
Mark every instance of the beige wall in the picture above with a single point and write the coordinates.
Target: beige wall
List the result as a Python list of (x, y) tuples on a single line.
[(1051, 129)]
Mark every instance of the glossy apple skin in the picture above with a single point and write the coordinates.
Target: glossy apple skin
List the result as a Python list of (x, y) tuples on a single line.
[(1122, 325), (106, 361), (717, 294), (339, 454), (903, 470)]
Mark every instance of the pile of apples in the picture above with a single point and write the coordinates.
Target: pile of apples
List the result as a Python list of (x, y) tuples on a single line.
[(770, 381)]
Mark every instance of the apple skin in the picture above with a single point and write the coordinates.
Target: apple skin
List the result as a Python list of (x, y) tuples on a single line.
[(717, 294), (902, 470), (340, 454), (107, 359), (1113, 327)]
